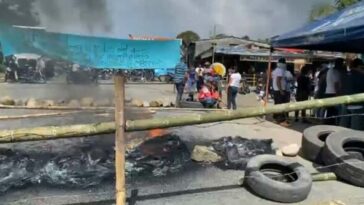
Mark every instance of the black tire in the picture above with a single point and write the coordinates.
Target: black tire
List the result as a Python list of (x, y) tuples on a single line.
[(294, 186), (344, 151), (313, 140)]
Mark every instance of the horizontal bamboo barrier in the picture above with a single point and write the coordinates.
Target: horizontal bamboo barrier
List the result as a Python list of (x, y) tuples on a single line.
[(316, 177), (38, 115), (56, 132), (54, 107)]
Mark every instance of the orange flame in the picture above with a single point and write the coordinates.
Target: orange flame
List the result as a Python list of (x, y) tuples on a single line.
[(156, 133)]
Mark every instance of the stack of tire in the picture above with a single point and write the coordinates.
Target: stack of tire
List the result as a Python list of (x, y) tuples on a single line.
[(281, 180), (338, 148)]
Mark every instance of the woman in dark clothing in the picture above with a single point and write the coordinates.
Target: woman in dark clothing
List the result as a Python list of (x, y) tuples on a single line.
[(303, 90)]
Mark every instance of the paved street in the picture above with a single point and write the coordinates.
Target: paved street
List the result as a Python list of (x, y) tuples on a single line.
[(196, 184)]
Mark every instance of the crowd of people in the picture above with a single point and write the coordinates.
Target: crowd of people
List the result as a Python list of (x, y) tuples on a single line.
[(207, 83), (328, 80)]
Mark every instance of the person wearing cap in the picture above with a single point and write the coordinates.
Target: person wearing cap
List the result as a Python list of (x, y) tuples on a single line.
[(279, 90)]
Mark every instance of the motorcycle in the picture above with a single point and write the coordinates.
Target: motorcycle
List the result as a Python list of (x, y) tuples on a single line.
[(244, 87), (10, 74), (77, 75), (143, 75)]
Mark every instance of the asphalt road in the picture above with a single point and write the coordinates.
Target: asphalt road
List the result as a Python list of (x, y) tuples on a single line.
[(197, 184)]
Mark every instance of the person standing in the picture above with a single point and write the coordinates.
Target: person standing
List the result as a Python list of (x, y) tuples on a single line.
[(191, 84), (233, 88), (199, 77), (279, 90), (352, 84), (303, 91), (180, 80), (333, 88)]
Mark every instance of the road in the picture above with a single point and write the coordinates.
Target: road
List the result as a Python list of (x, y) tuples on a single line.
[(195, 185)]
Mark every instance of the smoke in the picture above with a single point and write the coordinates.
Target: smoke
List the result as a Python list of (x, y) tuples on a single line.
[(118, 18), (75, 16)]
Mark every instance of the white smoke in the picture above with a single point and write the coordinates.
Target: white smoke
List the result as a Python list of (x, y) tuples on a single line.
[(118, 18)]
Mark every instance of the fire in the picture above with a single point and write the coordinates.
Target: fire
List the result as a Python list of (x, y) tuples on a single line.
[(156, 133)]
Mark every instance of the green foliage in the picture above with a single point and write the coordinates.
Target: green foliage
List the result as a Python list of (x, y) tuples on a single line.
[(188, 37), (322, 10), (341, 4)]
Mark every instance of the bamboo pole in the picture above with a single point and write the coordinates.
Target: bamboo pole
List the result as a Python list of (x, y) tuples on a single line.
[(119, 89), (56, 132), (317, 177), (227, 115), (324, 176), (268, 74), (38, 115), (54, 107)]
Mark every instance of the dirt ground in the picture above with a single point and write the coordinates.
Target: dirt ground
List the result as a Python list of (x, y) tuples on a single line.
[(196, 184)]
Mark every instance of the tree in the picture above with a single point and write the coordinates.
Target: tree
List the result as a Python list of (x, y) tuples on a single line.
[(18, 12), (322, 10), (341, 4), (188, 37)]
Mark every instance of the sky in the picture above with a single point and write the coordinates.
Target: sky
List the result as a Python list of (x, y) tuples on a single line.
[(118, 18)]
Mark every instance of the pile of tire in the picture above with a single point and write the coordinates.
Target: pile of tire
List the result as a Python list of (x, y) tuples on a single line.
[(337, 148), (279, 179)]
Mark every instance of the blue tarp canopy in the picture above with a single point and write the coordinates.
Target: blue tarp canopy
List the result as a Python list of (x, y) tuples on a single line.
[(342, 31)]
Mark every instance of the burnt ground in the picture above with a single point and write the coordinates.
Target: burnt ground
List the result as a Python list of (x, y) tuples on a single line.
[(194, 184)]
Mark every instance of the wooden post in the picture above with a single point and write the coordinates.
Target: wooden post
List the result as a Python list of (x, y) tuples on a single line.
[(268, 78), (119, 89)]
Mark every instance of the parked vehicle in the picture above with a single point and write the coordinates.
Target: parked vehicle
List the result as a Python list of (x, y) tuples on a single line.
[(81, 75), (244, 87), (139, 75), (165, 74), (25, 68)]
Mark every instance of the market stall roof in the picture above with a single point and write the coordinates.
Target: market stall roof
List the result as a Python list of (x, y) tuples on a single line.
[(342, 31), (244, 51), (204, 49)]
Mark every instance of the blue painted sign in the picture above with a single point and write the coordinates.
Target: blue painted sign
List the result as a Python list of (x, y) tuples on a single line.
[(96, 52)]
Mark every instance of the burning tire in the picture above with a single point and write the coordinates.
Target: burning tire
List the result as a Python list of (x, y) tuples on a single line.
[(344, 150), (313, 140), (277, 179)]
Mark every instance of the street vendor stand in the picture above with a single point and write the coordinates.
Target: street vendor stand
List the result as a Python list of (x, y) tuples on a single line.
[(340, 32)]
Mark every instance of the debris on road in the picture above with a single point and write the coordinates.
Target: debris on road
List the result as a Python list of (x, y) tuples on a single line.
[(205, 154), (87, 102), (137, 103), (236, 151), (74, 103), (32, 102), (291, 150), (7, 101), (89, 166)]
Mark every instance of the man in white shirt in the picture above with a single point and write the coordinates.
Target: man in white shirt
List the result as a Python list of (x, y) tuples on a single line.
[(234, 84), (199, 77), (333, 88), (279, 89)]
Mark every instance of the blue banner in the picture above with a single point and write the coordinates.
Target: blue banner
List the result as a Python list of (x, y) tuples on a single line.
[(95, 52)]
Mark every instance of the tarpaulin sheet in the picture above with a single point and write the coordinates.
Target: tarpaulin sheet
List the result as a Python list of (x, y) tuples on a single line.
[(342, 31), (95, 52)]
